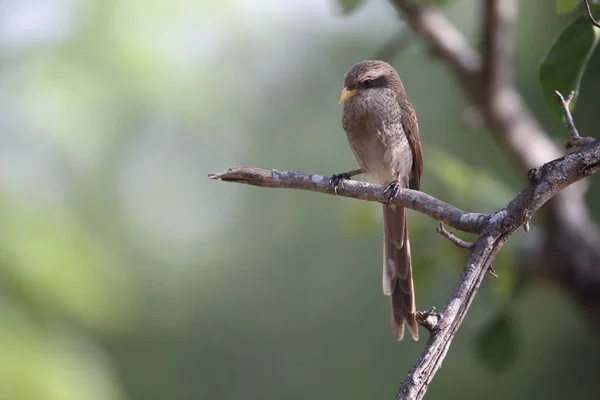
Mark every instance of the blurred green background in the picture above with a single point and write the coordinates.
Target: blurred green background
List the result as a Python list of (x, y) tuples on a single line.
[(126, 274)]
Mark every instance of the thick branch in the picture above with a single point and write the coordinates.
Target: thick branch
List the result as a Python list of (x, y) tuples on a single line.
[(415, 385), (443, 40), (503, 110), (545, 182), (498, 17), (418, 201)]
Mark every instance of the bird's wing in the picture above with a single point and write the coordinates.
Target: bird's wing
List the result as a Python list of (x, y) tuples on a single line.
[(411, 128)]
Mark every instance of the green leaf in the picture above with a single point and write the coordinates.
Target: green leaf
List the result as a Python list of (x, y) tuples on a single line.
[(350, 6), (566, 6), (565, 63), (497, 344)]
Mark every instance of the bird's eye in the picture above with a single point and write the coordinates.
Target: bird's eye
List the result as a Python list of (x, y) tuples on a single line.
[(367, 83)]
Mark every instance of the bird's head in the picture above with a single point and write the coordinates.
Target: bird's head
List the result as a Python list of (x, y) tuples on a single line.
[(368, 76)]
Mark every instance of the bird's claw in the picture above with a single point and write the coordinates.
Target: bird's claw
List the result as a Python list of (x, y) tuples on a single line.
[(337, 180), (392, 190)]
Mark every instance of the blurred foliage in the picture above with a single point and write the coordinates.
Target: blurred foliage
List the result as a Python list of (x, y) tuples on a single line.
[(126, 274), (350, 6), (566, 6), (497, 343), (436, 2)]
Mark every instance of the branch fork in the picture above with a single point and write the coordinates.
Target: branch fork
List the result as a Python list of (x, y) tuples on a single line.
[(494, 230), (487, 81)]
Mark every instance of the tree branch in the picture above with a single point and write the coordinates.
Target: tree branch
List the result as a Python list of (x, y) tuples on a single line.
[(506, 113), (413, 199), (495, 229), (487, 83), (443, 40), (566, 218), (570, 252), (498, 17), (547, 181)]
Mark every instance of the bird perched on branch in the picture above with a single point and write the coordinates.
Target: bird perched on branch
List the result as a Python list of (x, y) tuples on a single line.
[(383, 133)]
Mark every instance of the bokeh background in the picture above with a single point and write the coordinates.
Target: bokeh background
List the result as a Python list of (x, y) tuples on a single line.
[(126, 274)]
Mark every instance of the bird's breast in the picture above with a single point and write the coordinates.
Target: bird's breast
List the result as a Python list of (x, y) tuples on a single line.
[(377, 138)]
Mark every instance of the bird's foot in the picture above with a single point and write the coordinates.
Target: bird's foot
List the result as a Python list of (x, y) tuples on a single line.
[(392, 190), (337, 180)]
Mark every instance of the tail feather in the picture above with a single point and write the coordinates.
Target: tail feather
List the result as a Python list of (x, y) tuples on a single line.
[(397, 271)]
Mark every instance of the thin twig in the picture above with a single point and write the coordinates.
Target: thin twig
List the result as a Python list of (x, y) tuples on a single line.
[(590, 14), (451, 237), (564, 104), (462, 244), (576, 140)]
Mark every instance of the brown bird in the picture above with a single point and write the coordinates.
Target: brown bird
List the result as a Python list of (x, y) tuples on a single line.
[(383, 133)]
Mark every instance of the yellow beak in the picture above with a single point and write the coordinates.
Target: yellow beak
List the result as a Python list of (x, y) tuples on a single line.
[(346, 94)]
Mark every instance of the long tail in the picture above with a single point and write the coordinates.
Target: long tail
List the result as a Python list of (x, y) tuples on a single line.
[(397, 271)]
